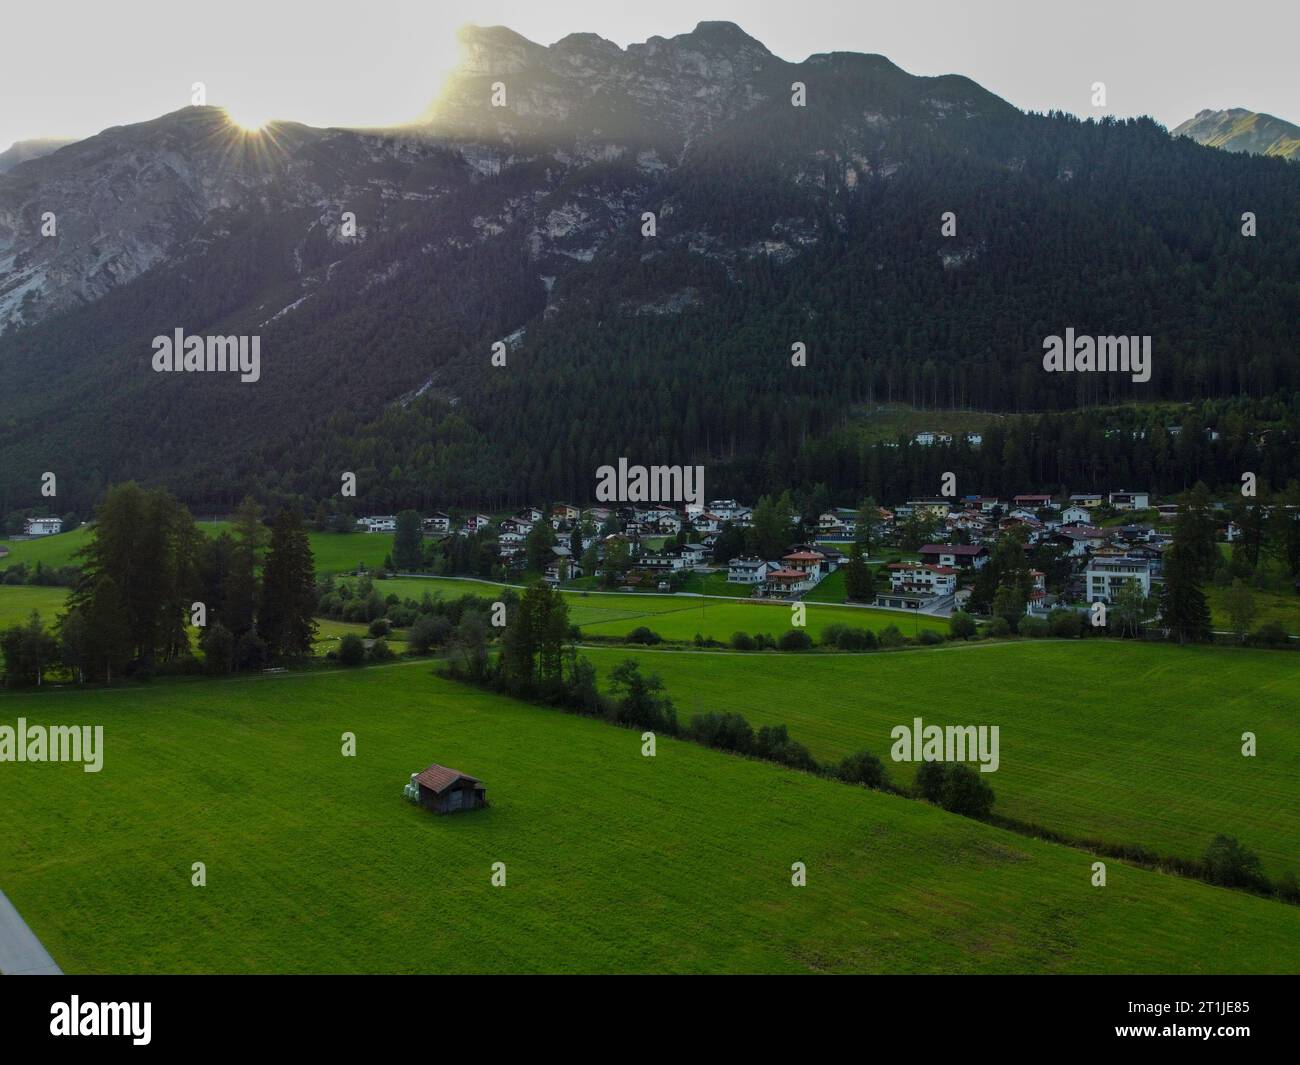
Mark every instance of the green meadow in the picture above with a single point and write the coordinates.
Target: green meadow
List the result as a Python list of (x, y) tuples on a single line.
[(614, 862), (17, 601), (1129, 743), (679, 618)]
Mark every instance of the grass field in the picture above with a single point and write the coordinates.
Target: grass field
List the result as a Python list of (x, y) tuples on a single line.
[(1129, 743), (678, 617), (615, 862), (17, 601), (334, 552)]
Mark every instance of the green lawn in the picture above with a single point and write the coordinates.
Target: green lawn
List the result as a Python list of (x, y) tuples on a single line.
[(17, 601), (1129, 743), (615, 862)]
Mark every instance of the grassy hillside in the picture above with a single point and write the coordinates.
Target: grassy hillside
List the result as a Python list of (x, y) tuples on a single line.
[(1130, 743), (615, 862)]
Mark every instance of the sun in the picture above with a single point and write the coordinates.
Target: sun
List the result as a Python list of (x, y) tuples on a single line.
[(246, 120)]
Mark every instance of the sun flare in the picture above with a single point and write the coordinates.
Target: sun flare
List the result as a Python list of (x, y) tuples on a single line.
[(247, 121)]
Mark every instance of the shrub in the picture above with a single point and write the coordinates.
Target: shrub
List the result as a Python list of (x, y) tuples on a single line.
[(966, 792), (1228, 863), (1034, 628), (961, 625), (218, 647), (764, 642), (999, 626), (428, 633), (930, 779), (848, 638), (864, 768), (742, 641), (1271, 634), (643, 635), (352, 650), (724, 731), (379, 627), (889, 636), (1065, 624), (356, 610), (773, 742), (402, 617), (381, 652), (929, 637), (795, 640)]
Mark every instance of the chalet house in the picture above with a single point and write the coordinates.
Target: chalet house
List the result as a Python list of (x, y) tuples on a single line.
[(665, 563), (975, 439), (1032, 502), (532, 515), (446, 791), (833, 559), (477, 523), (955, 556), (381, 523), (1075, 515), (727, 509), (562, 566), (436, 524), (1086, 499), (747, 570), (742, 517), (565, 512), (928, 439), (832, 524), (1130, 500), (781, 583), (707, 521), (695, 554), (984, 504), (810, 563), (42, 526), (1080, 538), (1104, 577), (1038, 590), (597, 515), (521, 522), (511, 538)]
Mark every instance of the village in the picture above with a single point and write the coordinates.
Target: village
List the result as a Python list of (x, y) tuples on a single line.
[(1107, 540)]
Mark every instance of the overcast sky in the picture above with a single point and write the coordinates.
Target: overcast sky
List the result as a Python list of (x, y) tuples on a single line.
[(74, 67)]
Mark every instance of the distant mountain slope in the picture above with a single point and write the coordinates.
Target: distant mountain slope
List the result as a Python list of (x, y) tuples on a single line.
[(1239, 130), (774, 224), (22, 151)]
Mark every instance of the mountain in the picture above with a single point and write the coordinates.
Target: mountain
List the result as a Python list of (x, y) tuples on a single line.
[(22, 151), (526, 223), (1239, 130)]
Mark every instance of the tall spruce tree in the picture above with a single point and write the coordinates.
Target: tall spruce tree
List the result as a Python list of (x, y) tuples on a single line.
[(285, 620)]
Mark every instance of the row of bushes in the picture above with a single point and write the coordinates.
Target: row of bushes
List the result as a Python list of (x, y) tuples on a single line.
[(40, 574), (843, 637)]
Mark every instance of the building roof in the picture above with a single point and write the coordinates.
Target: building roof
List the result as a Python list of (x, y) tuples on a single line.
[(805, 556), (953, 549), (921, 565), (438, 778)]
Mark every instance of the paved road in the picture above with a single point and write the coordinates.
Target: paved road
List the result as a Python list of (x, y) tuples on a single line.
[(21, 953)]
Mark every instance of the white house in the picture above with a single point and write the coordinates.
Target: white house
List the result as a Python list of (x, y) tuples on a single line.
[(477, 522), (1104, 577), (437, 523), (1076, 516), (955, 556), (920, 577), (381, 523), (746, 570), (42, 526), (1130, 500)]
